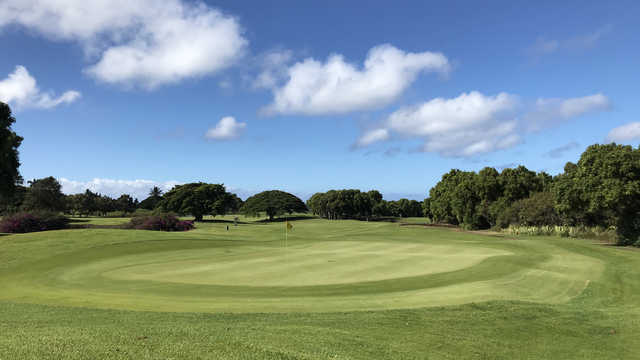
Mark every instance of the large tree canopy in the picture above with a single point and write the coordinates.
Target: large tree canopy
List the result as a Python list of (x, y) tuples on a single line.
[(44, 194), (603, 189), (9, 161), (273, 203), (199, 199)]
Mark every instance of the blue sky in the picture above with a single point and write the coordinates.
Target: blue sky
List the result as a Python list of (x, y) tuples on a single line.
[(308, 96)]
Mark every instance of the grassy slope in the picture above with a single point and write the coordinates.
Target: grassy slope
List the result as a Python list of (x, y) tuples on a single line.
[(601, 322)]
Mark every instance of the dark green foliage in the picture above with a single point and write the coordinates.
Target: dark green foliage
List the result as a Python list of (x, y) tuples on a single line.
[(126, 204), (273, 203), (477, 200), (44, 195), (603, 188), (349, 204), (426, 208), (537, 210), (198, 199), (155, 196), (9, 160), (13, 203), (355, 204)]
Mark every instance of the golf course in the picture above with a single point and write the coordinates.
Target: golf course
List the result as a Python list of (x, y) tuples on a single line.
[(324, 289)]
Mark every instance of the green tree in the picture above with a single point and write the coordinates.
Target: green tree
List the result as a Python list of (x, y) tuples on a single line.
[(9, 159), (198, 199), (273, 203), (44, 194), (125, 203), (155, 196), (605, 187), (89, 202)]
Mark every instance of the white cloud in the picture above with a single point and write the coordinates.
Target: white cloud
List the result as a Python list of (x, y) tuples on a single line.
[(21, 90), (142, 42), (336, 86), (372, 136), (544, 46), (474, 123), (274, 69), (136, 188), (226, 129), (625, 133), (549, 111)]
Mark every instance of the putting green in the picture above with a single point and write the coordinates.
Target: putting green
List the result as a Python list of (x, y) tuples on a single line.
[(298, 265), (326, 266)]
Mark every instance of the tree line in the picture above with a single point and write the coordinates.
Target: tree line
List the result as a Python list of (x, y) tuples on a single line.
[(355, 204), (602, 189)]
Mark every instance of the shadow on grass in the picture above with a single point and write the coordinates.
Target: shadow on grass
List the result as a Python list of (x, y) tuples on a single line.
[(73, 221), (288, 218), (220, 221)]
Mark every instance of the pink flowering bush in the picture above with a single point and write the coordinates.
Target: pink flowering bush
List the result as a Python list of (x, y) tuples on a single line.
[(30, 222), (160, 222)]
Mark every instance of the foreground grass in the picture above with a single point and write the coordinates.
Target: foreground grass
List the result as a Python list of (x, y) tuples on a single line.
[(530, 298)]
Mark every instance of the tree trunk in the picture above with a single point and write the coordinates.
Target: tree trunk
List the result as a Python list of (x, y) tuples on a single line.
[(198, 217)]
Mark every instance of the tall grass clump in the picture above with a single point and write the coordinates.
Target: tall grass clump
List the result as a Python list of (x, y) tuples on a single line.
[(587, 232)]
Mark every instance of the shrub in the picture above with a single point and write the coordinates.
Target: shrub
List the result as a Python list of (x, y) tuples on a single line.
[(160, 222), (30, 222)]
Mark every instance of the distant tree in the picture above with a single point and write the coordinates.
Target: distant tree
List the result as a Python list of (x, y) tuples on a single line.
[(125, 203), (198, 199), (44, 194), (273, 203), (155, 196), (235, 203), (89, 203), (9, 160)]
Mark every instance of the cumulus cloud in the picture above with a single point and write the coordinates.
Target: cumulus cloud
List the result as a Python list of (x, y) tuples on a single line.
[(372, 136), (336, 86), (226, 129), (136, 188), (21, 90), (273, 65), (143, 42), (625, 133), (474, 123)]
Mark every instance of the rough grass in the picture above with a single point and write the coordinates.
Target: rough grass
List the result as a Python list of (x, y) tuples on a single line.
[(339, 289)]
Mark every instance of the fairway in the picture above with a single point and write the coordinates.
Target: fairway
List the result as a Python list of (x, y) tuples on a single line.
[(323, 266)]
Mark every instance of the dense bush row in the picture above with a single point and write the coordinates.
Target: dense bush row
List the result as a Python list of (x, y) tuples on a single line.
[(355, 204), (601, 191), (160, 222), (30, 222)]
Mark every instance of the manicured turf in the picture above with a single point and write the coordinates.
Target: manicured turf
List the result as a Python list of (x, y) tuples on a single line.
[(336, 289)]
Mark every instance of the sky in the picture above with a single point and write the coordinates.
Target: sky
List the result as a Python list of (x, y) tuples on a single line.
[(122, 95)]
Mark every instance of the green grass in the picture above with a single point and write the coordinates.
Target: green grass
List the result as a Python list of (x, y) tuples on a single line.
[(338, 289)]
